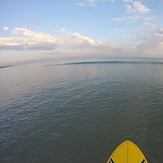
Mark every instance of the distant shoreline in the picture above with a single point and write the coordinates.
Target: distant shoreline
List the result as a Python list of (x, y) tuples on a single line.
[(4, 66)]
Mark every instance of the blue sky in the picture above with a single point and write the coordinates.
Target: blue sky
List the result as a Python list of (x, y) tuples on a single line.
[(36, 30)]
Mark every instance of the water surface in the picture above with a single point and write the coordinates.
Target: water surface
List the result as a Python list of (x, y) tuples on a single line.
[(80, 112)]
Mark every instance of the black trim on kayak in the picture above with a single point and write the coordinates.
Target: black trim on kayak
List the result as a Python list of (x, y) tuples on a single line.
[(143, 161), (111, 161)]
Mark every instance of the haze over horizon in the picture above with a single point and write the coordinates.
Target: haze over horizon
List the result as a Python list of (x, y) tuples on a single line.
[(51, 30)]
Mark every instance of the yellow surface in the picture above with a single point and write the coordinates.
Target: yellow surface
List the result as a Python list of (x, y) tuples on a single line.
[(127, 152)]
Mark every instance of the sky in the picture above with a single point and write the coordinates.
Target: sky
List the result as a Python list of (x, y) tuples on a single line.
[(40, 30)]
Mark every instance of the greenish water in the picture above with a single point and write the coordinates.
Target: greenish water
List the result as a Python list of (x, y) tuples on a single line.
[(80, 112)]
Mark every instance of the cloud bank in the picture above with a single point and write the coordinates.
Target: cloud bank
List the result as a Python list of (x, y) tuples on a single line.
[(148, 41), (29, 40), (25, 39), (36, 40)]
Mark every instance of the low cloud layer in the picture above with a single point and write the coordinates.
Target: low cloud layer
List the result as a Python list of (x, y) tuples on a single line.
[(29, 40), (25, 39), (148, 40)]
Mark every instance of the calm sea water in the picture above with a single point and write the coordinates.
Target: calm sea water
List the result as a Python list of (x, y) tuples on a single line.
[(80, 112)]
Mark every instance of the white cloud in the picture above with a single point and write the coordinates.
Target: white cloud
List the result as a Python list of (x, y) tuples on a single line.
[(53, 52), (127, 0), (91, 2), (5, 28), (117, 29), (132, 19), (63, 30), (24, 39), (151, 40), (152, 25), (72, 43), (129, 8), (134, 12), (85, 41), (29, 40), (137, 7), (85, 4), (36, 36), (127, 18)]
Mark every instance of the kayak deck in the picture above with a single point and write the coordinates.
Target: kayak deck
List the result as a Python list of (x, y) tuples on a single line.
[(127, 152)]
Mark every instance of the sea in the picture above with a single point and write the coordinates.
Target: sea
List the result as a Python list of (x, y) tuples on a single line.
[(81, 110)]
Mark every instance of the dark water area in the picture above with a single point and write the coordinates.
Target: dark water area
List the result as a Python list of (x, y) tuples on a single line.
[(80, 112)]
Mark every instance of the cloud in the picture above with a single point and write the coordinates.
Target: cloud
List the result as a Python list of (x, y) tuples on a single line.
[(151, 40), (85, 4), (137, 7), (85, 41), (91, 2), (134, 11), (127, 18), (29, 40), (151, 25), (127, 0), (80, 42), (72, 44), (53, 52), (131, 19), (5, 28), (117, 29), (25, 39)]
